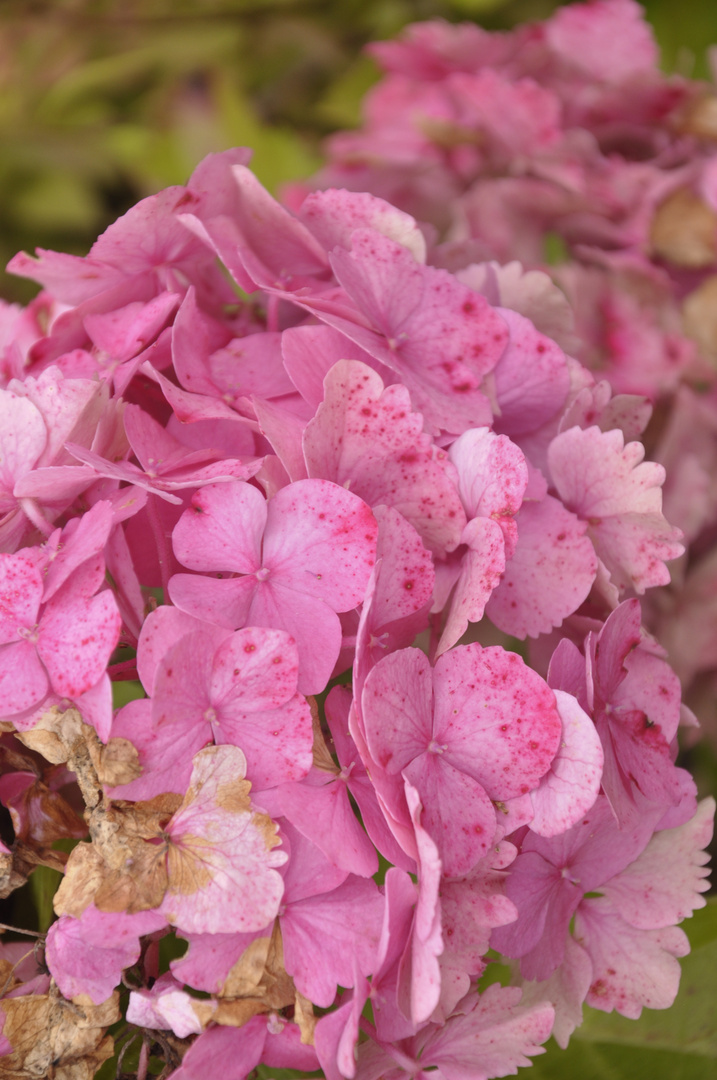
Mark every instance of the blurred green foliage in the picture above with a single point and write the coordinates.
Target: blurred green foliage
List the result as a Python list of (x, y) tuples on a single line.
[(105, 101)]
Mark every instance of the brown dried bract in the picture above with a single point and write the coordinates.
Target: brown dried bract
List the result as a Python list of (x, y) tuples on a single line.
[(701, 118), (258, 983), (699, 312), (304, 1017), (62, 736), (684, 230), (57, 1039), (322, 756), (125, 867)]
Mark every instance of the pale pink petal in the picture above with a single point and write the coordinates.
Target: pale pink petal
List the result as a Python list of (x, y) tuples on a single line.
[(419, 972), (366, 437), (664, 884), (89, 954), (23, 437), (71, 409), (492, 474), (608, 41), (631, 968), (491, 1038), (571, 786), (565, 990), (333, 215), (609, 486), (234, 847)]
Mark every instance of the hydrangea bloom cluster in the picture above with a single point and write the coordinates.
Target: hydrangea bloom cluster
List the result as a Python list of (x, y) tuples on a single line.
[(342, 470), (563, 141)]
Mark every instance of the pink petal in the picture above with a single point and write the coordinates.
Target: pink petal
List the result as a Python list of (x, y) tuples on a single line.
[(325, 816), (23, 437), (222, 529), (549, 575), (313, 625), (396, 706), (457, 814), (225, 1051), (496, 719), (210, 959), (565, 990), (76, 640), (166, 1006), (222, 603), (23, 679), (492, 474), (321, 540), (442, 362), (325, 935), (21, 588), (310, 352), (481, 569), (366, 437), (531, 378)]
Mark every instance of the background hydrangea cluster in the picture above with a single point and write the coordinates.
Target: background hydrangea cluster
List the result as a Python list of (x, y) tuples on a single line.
[(564, 142), (312, 476)]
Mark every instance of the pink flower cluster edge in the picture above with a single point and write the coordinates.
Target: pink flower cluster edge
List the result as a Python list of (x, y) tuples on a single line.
[(355, 482)]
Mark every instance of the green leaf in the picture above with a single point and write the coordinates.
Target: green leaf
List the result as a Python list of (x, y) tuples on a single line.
[(124, 692), (476, 7), (44, 883), (669, 1044), (342, 105)]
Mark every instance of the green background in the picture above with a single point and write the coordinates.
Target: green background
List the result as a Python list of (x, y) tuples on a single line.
[(105, 101)]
